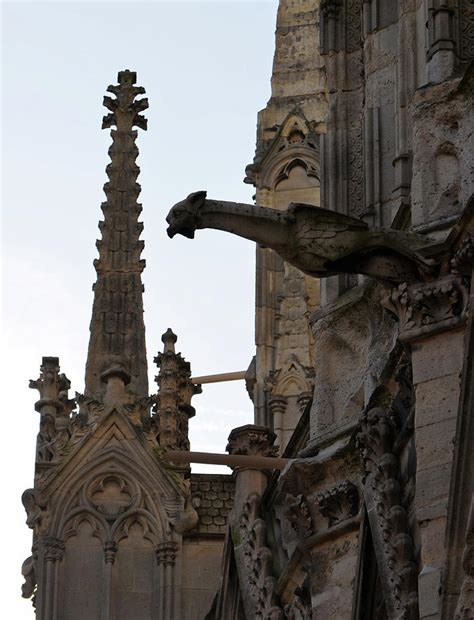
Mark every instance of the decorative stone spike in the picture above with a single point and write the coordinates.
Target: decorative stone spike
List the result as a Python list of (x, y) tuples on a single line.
[(117, 337), (173, 407)]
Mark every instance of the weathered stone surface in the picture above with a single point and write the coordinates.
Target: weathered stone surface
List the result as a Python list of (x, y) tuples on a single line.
[(319, 242)]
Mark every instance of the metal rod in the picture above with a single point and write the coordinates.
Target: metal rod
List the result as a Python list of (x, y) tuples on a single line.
[(223, 376), (231, 460)]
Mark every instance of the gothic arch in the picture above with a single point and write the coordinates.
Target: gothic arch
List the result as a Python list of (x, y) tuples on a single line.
[(109, 464)]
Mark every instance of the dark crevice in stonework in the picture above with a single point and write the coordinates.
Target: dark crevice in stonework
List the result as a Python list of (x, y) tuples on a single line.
[(370, 600)]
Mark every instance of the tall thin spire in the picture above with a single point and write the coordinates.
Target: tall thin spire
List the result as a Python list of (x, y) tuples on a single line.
[(117, 330)]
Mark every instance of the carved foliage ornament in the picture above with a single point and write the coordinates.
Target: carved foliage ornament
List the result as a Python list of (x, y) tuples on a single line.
[(258, 561), (296, 511), (339, 503), (427, 308), (389, 521), (252, 440)]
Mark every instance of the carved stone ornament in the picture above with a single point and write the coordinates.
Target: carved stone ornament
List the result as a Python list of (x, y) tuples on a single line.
[(28, 570), (296, 511), (330, 8), (257, 558), (166, 553), (387, 515), (319, 242), (339, 503), (294, 144), (37, 516), (252, 440), (300, 607), (172, 407), (53, 548), (428, 308), (463, 258)]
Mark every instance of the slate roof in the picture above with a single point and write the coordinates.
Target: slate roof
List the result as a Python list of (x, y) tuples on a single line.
[(216, 493)]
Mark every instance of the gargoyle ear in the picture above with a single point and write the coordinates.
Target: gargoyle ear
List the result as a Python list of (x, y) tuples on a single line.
[(196, 199)]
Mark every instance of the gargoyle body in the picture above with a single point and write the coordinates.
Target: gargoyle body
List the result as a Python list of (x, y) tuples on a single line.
[(317, 241)]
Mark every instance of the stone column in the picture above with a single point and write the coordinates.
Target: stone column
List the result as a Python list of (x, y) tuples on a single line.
[(248, 529), (441, 44), (432, 318), (166, 557), (110, 551), (251, 440), (278, 408), (53, 552)]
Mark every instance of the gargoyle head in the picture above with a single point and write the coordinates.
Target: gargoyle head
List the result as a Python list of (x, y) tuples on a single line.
[(183, 218)]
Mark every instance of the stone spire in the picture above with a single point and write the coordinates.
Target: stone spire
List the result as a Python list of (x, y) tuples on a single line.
[(117, 339)]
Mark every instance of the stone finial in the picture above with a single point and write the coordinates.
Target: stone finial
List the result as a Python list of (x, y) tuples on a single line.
[(252, 440), (55, 408), (125, 109), (53, 387), (173, 407), (169, 339)]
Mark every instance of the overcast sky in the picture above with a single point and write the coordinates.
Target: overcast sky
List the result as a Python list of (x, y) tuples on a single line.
[(206, 68)]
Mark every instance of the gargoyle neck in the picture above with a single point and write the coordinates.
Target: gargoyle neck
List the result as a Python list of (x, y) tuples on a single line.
[(265, 226)]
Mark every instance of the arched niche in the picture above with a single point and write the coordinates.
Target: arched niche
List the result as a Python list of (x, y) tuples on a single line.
[(134, 588), (82, 583), (296, 181)]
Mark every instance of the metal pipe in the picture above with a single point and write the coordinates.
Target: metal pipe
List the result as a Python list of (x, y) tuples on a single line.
[(231, 460), (223, 376)]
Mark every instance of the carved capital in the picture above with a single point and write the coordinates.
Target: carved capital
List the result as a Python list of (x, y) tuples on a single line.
[(278, 404), (428, 308), (166, 553), (53, 549), (339, 503), (110, 551), (252, 440), (330, 8)]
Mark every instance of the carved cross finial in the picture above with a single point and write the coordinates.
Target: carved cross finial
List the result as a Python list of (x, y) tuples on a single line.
[(125, 109)]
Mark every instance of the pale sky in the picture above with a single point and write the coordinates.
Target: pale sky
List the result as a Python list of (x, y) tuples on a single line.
[(206, 67)]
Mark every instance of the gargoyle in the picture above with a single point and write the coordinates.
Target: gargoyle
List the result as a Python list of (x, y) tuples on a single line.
[(317, 241)]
